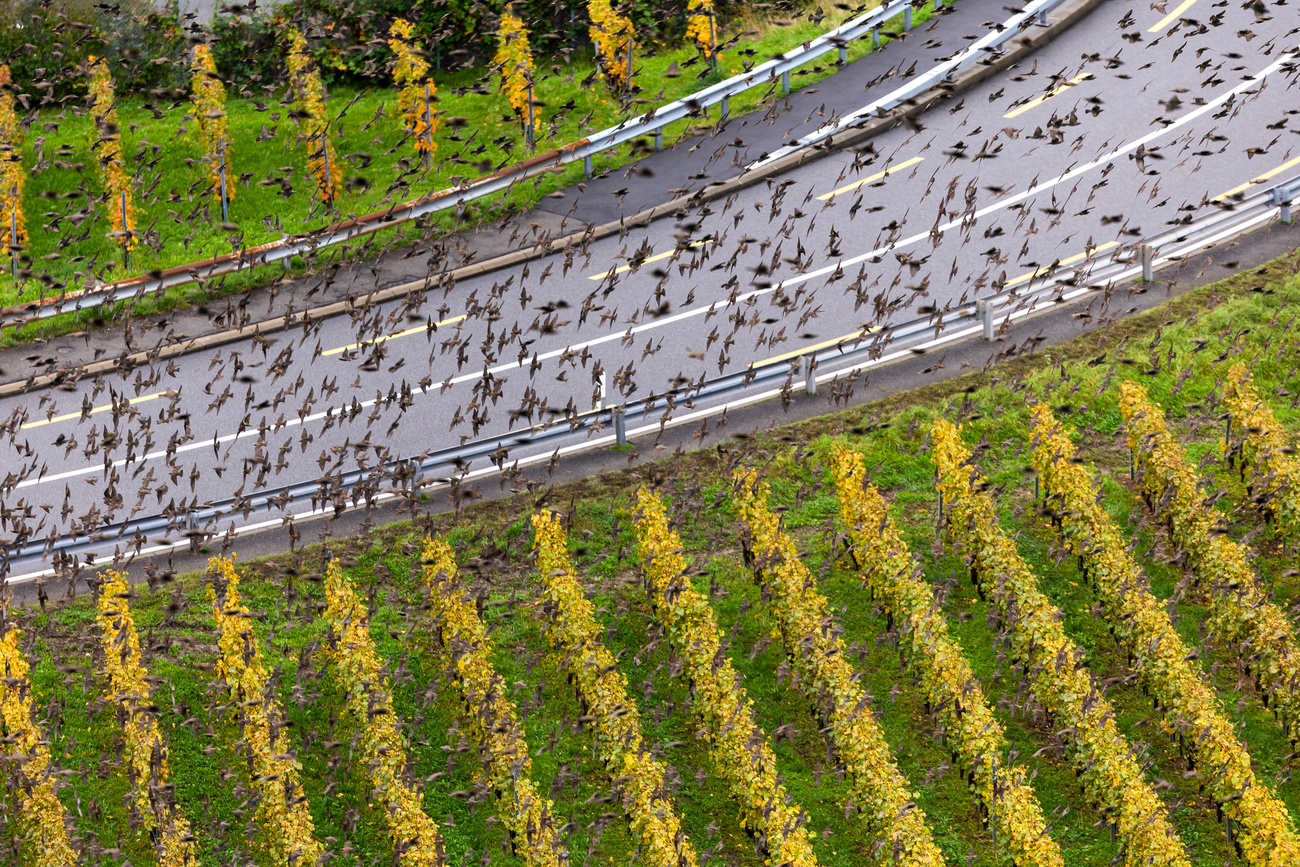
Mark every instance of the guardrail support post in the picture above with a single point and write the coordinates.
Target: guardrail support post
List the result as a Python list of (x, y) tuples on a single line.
[(938, 4), (725, 110), (785, 82), (1278, 196), (844, 56), (620, 426), (907, 19), (875, 37), (659, 139), (1146, 256), (808, 370), (586, 166), (191, 526), (984, 309), (1042, 20)]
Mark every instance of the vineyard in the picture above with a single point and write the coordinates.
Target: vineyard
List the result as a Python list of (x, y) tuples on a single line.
[(1042, 620)]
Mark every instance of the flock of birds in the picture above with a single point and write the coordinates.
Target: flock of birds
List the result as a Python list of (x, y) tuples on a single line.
[(134, 427)]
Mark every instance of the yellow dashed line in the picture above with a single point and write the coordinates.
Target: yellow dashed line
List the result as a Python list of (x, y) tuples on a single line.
[(419, 329), (1024, 278), (655, 258), (1034, 103), (1259, 180), (69, 416), (861, 332), (1171, 17), (877, 176)]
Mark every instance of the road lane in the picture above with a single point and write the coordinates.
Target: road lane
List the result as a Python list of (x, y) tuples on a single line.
[(519, 347)]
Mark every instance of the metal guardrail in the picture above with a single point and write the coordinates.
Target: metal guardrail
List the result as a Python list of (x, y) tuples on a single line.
[(651, 123), (1036, 14), (406, 477)]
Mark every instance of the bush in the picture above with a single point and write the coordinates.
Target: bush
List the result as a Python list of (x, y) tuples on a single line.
[(46, 42)]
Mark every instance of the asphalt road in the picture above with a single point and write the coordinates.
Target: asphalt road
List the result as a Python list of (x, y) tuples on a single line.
[(1109, 133)]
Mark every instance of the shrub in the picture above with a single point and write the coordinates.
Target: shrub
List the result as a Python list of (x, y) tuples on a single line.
[(611, 33), (414, 98), (515, 59), (209, 97), (309, 112), (13, 225), (106, 147)]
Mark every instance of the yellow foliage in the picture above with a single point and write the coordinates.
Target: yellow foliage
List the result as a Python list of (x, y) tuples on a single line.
[(1242, 615), (415, 88), (612, 34), (701, 27), (356, 666), (1102, 756), (1142, 623), (41, 820), (283, 815), (209, 97), (740, 752), (309, 95), (817, 653), (515, 59), (490, 714), (146, 751), (573, 630), (106, 146), (13, 177), (1265, 451)]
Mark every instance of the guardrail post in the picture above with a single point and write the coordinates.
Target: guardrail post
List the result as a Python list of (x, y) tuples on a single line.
[(1041, 19), (1280, 198), (1146, 256), (586, 166), (984, 309), (659, 139), (907, 19), (807, 369), (191, 526), (938, 4), (620, 426), (725, 111), (785, 82), (875, 37), (844, 56)]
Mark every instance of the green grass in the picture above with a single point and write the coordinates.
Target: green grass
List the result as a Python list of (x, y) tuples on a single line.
[(492, 544), (180, 217)]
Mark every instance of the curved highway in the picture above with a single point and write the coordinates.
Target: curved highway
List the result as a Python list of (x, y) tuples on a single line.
[(1123, 126)]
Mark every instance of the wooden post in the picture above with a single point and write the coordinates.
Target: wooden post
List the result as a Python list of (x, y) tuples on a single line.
[(13, 237), (528, 130), (126, 236), (325, 162), (428, 126), (221, 173), (713, 42)]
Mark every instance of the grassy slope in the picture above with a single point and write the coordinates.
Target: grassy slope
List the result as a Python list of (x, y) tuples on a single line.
[(187, 228), (212, 787)]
